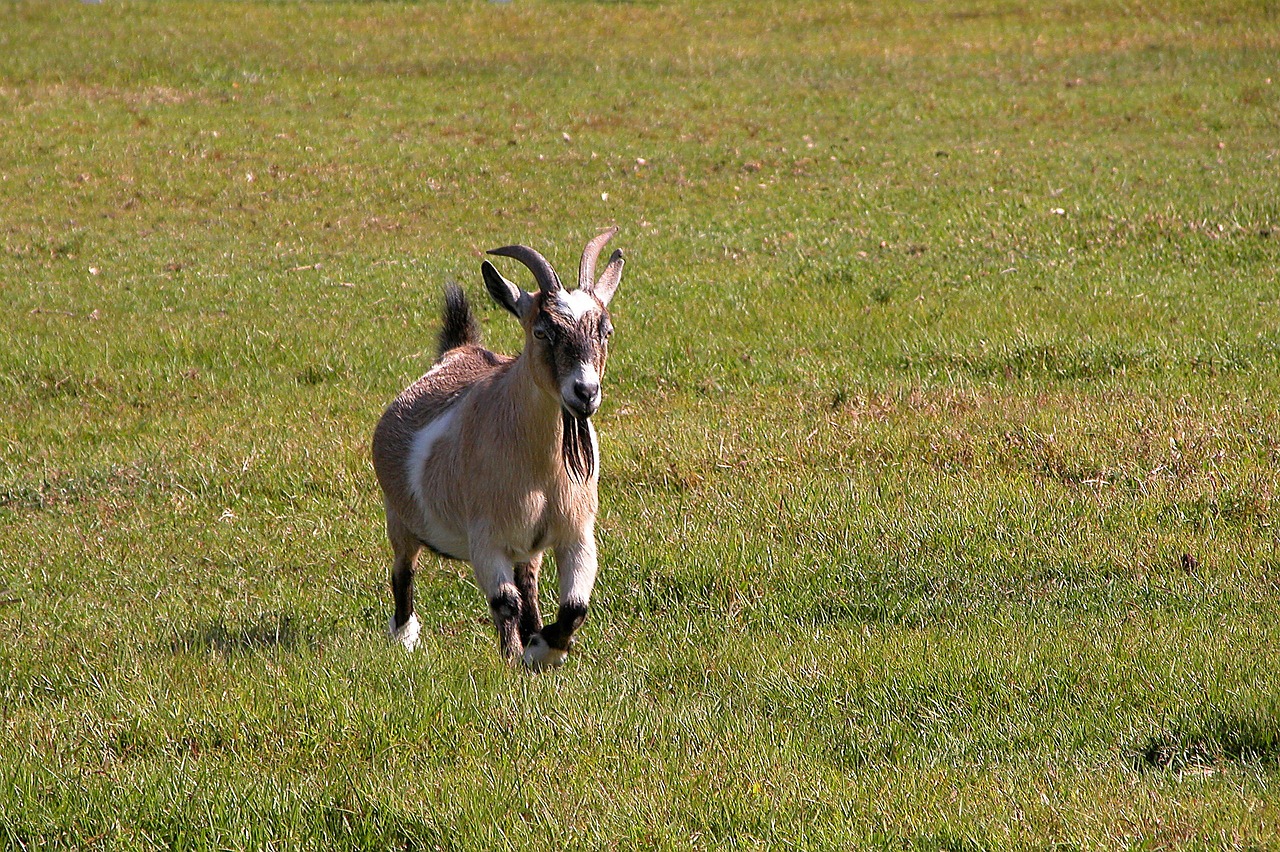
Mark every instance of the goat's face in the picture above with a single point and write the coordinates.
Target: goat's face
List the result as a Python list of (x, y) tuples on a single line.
[(567, 339), (566, 331)]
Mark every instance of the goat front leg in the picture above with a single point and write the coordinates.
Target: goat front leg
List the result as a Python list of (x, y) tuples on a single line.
[(576, 567), (495, 574)]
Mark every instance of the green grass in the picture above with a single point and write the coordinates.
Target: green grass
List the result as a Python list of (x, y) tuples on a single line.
[(940, 438)]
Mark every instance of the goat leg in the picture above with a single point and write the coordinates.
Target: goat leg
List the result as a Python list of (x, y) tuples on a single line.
[(495, 575), (404, 627), (527, 584), (576, 565)]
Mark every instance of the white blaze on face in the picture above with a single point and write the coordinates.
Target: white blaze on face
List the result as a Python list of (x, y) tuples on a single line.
[(576, 303)]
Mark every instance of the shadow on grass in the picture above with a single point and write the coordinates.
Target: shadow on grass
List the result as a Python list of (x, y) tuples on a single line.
[(268, 631), (1211, 742)]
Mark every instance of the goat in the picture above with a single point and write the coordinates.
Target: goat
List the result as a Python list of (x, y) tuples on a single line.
[(493, 460)]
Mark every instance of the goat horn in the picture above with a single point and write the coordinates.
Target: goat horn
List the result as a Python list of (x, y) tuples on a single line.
[(548, 281), (587, 266)]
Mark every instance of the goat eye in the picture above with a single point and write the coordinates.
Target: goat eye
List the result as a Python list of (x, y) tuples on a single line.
[(540, 333), (606, 329)]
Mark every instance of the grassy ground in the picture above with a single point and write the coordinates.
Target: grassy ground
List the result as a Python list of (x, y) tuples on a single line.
[(940, 436)]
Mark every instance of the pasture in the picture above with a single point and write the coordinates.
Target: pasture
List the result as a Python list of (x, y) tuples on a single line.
[(940, 438)]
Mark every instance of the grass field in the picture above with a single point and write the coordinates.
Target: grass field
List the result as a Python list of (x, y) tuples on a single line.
[(941, 436)]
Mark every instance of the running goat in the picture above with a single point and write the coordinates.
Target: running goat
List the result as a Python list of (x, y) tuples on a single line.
[(493, 460)]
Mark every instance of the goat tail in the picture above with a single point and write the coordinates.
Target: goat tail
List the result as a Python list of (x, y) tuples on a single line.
[(460, 327)]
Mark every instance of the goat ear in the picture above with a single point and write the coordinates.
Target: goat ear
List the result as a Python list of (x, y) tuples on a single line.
[(609, 279), (503, 291)]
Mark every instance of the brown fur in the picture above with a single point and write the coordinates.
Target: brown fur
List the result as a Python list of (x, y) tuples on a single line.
[(494, 467), (415, 407)]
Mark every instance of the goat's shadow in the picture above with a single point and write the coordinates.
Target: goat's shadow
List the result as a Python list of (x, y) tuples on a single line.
[(266, 631), (1248, 734)]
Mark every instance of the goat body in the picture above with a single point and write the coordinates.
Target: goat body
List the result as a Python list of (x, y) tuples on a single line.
[(493, 459)]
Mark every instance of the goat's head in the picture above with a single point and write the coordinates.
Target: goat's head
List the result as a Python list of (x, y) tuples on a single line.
[(566, 331)]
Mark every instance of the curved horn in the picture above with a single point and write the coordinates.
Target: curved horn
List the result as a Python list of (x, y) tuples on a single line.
[(587, 266), (548, 281)]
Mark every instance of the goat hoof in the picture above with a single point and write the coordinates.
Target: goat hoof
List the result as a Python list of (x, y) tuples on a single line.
[(538, 655), (407, 634)]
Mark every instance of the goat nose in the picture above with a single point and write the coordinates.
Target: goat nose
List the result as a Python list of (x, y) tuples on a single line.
[(586, 391)]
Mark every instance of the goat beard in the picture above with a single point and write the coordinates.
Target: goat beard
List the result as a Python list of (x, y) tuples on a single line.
[(576, 447)]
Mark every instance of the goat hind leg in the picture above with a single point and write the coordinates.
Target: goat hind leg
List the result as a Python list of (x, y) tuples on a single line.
[(404, 627), (527, 584)]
